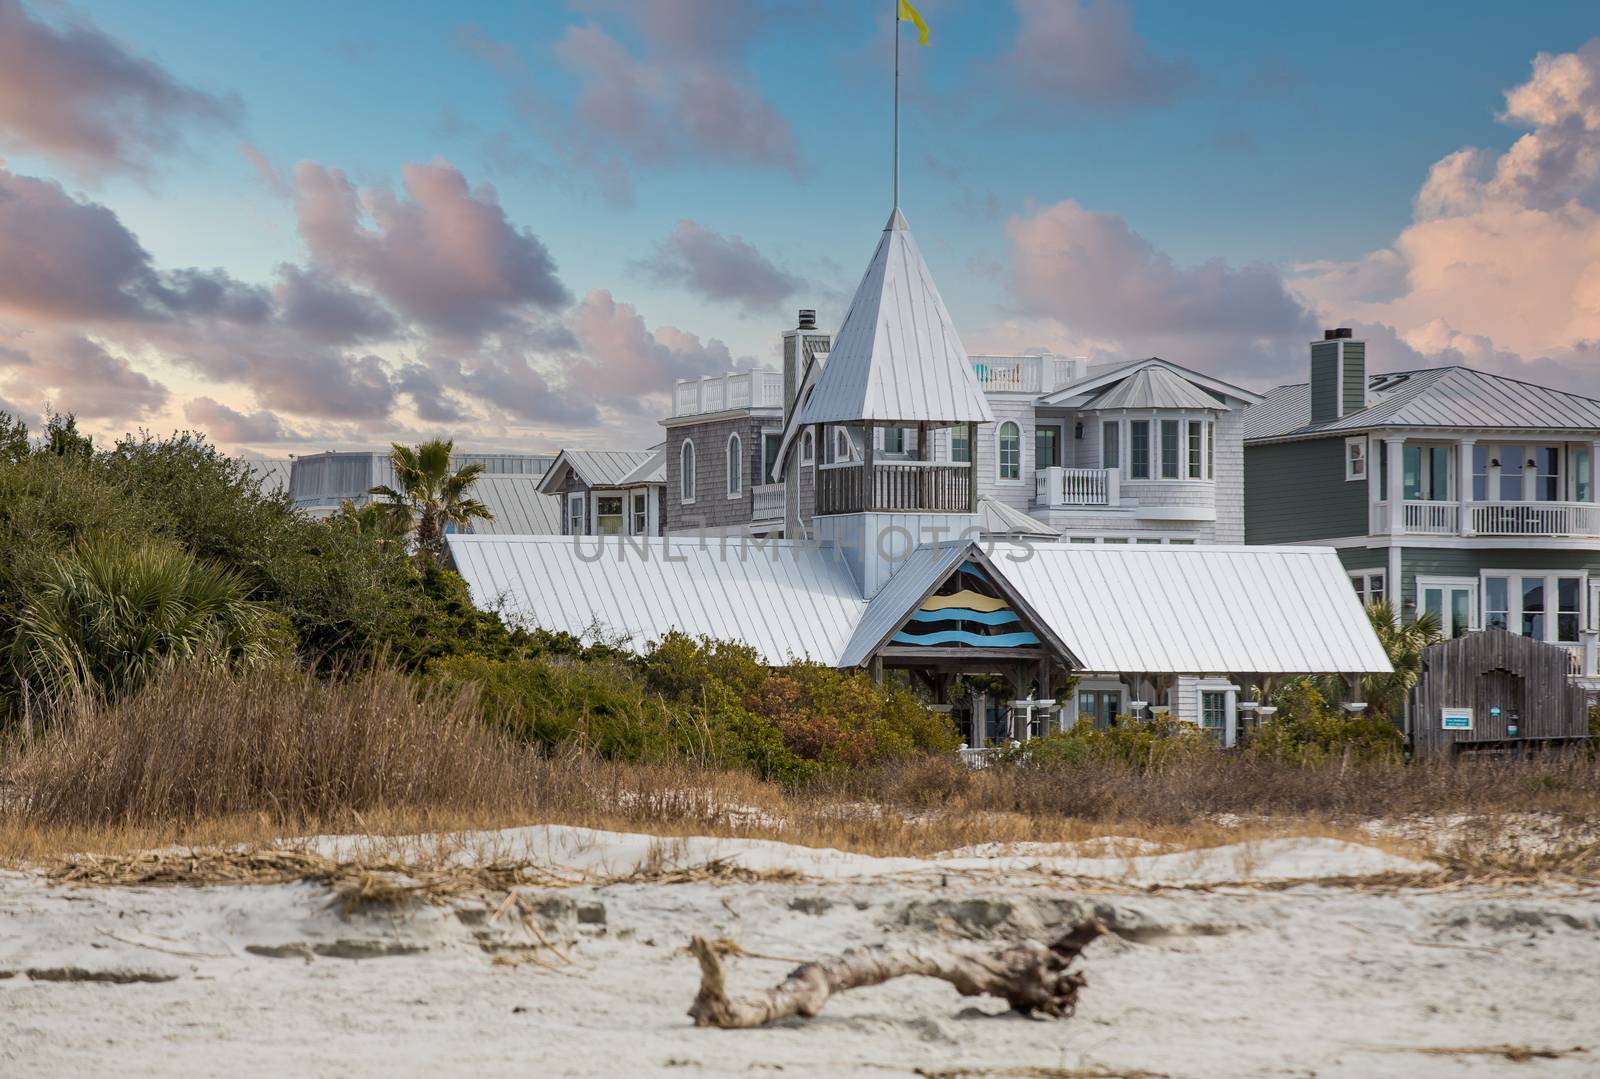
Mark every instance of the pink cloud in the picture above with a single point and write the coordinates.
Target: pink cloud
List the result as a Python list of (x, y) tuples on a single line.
[(72, 373), (721, 268), (71, 92), (626, 361)]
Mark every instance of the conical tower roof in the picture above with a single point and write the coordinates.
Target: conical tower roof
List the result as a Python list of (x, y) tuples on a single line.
[(897, 358)]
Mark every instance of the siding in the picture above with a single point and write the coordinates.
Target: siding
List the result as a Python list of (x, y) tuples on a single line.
[(1355, 377), (1019, 409), (1295, 492), (1468, 561), (1324, 381), (712, 508)]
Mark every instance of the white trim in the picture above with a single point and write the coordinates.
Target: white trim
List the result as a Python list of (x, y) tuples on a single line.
[(1357, 442), (1446, 585), (808, 447), (1552, 597), (688, 475), (733, 466), (1361, 581), (579, 500), (999, 455)]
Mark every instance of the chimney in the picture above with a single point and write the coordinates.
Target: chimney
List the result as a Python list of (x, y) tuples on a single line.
[(798, 346), (1338, 375)]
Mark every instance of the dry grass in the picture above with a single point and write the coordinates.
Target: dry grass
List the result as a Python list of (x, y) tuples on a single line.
[(206, 760)]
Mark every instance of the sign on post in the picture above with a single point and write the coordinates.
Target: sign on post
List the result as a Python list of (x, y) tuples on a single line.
[(1457, 719)]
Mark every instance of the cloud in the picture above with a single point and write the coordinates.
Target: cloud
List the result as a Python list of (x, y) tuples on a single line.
[(227, 425), (1085, 54), (625, 361), (686, 94), (1116, 293), (443, 255), (74, 94), (328, 310), (1500, 266), (721, 268), (75, 374), (265, 170)]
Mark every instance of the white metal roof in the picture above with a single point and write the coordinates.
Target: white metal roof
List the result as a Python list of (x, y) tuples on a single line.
[(1104, 376), (1444, 397), (922, 571), (1155, 387), (897, 356), (518, 506), (271, 473), (786, 599), (1192, 610), (598, 468), (652, 470), (998, 519)]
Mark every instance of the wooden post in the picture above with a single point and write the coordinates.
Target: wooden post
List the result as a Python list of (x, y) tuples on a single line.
[(925, 479), (869, 486), (972, 468), (1044, 687)]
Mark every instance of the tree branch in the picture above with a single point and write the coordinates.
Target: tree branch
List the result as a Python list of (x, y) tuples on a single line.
[(1031, 977)]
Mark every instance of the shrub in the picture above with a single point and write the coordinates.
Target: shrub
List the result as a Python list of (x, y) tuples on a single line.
[(1307, 730), (105, 619), (1136, 743)]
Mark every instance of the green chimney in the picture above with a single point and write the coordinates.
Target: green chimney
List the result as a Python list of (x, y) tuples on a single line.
[(1338, 375)]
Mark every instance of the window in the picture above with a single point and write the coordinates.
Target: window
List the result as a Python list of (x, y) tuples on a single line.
[(1510, 458), (808, 448), (575, 514), (1533, 607), (1110, 444), (1099, 706), (1214, 714), (893, 440), (686, 472), (1197, 436), (1139, 449), (735, 466), (1211, 450), (1010, 455), (1496, 603), (844, 448), (1547, 473), (1426, 473), (1452, 601), (1480, 473), (960, 444), (1355, 458), (770, 441), (1569, 609), (641, 513), (1369, 588), (1046, 446), (1169, 449), (608, 515), (1583, 474)]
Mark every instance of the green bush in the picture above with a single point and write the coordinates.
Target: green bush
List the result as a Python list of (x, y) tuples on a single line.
[(1142, 744), (106, 619), (1308, 730)]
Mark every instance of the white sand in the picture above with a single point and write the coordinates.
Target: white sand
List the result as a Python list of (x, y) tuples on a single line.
[(1309, 980)]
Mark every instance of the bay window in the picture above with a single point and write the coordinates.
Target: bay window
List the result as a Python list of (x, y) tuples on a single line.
[(1544, 606), (1110, 444), (1169, 449), (1196, 449)]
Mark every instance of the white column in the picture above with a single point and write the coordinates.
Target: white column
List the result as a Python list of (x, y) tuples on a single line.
[(1530, 476), (1594, 471), (1374, 485), (1464, 447), (1231, 710), (1395, 449)]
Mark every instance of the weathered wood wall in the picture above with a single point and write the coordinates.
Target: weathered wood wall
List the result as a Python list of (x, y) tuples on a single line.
[(1492, 667)]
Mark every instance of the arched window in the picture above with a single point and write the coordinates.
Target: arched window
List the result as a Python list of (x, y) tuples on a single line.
[(1010, 451), (808, 448), (686, 472), (842, 448), (735, 466)]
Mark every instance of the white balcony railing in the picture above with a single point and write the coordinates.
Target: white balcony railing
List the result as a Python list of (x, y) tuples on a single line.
[(1055, 486), (1024, 374), (766, 501), (1553, 519), (719, 393), (1432, 518)]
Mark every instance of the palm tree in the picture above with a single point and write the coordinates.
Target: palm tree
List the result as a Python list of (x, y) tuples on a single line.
[(1404, 643), (432, 497)]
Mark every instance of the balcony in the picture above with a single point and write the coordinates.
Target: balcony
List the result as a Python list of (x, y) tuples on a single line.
[(895, 486), (1024, 374), (720, 393), (1055, 486), (766, 502), (1549, 520)]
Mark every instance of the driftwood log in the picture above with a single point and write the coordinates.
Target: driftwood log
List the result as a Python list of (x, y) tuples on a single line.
[(1033, 978)]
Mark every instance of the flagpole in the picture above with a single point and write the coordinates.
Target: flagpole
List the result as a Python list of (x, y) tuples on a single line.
[(895, 26)]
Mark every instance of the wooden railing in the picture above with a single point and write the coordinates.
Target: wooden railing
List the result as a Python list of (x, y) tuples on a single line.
[(1536, 519), (766, 501), (1055, 486), (1432, 518), (910, 486)]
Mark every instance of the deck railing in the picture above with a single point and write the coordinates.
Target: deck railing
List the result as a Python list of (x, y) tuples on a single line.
[(766, 501), (1055, 486), (912, 486), (1548, 519), (1023, 374), (719, 393)]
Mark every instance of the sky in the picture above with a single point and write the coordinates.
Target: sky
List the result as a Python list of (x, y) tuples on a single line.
[(304, 226)]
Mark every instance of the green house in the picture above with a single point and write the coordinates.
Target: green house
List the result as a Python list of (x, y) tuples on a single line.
[(1450, 490)]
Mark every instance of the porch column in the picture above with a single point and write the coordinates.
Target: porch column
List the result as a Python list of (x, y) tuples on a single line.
[(1230, 730), (1464, 451), (1375, 492), (979, 703), (1530, 474), (1594, 472), (1394, 449), (972, 468), (869, 481)]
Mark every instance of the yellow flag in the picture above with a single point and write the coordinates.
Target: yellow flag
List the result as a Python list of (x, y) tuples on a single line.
[(909, 14)]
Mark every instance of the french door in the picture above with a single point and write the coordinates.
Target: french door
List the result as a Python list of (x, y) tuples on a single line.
[(1453, 602)]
